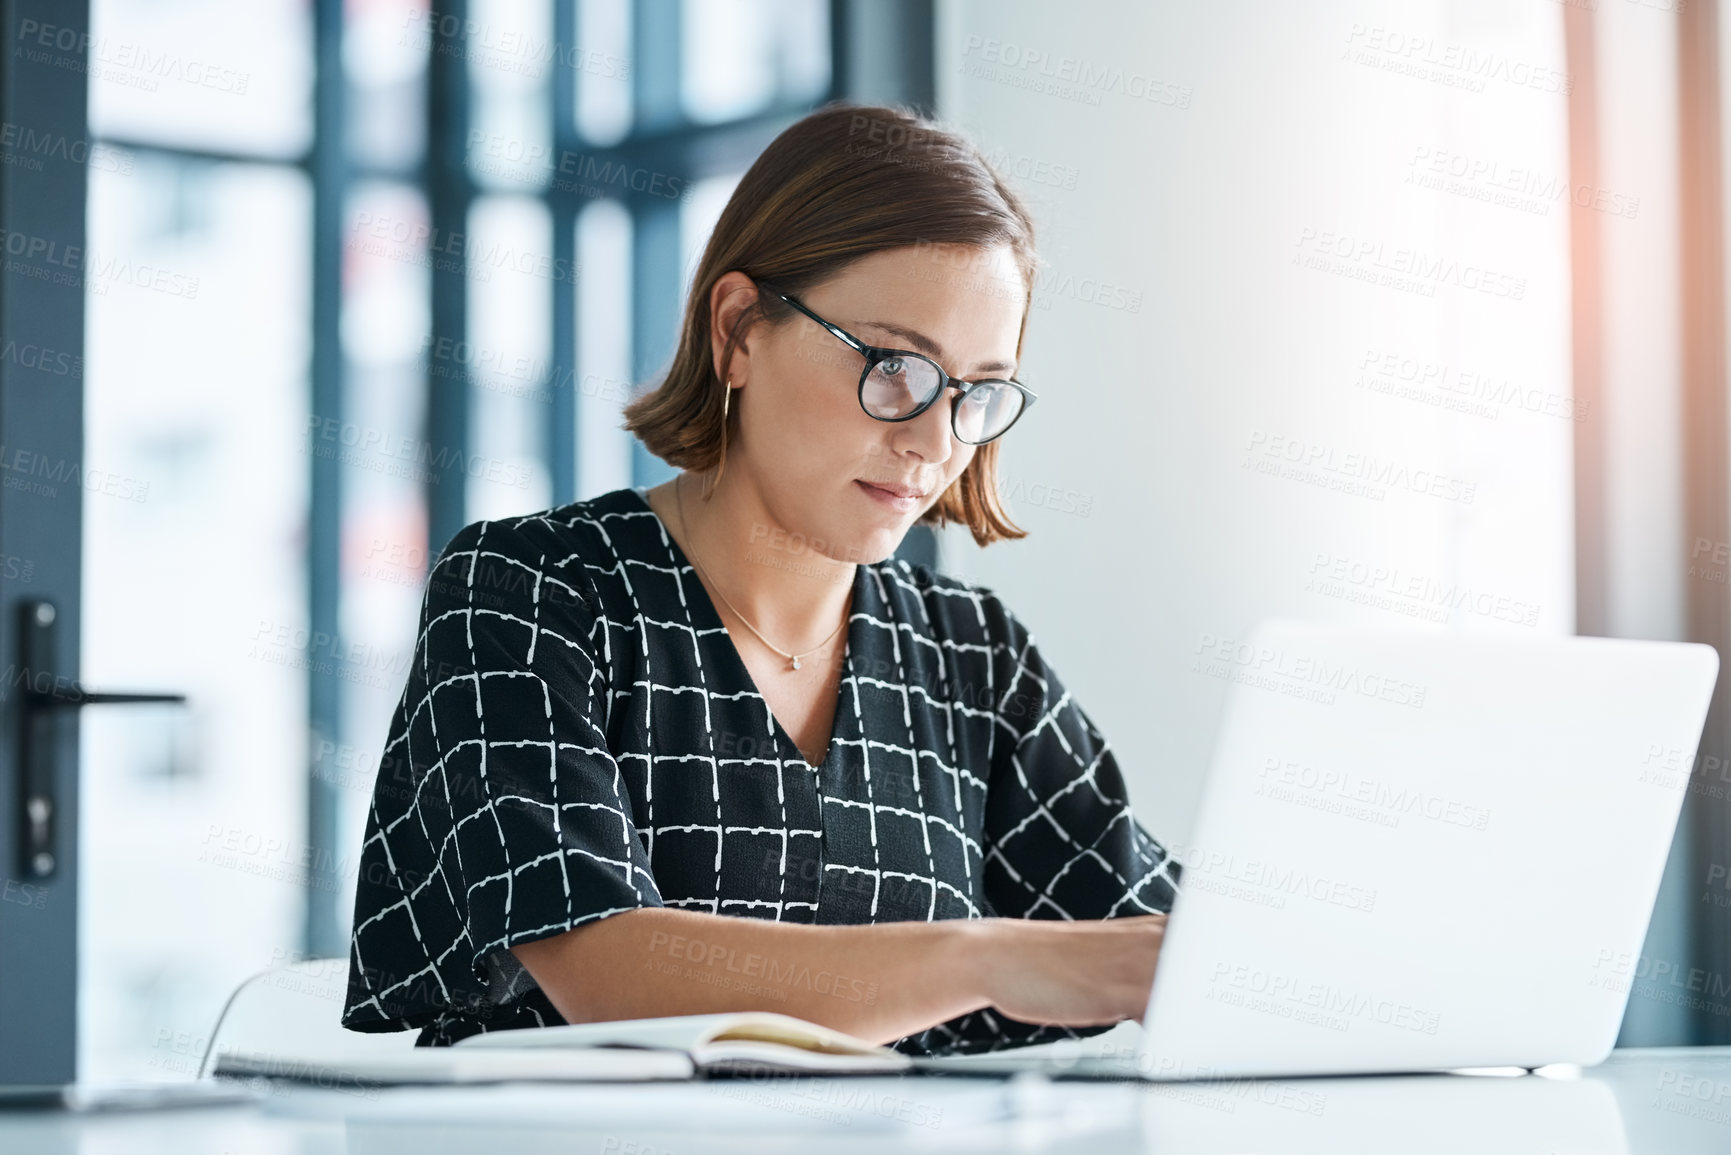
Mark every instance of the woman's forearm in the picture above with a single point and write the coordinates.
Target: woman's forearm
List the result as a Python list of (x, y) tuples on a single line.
[(877, 981)]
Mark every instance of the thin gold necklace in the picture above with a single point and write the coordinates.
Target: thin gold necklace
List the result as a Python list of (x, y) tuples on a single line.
[(679, 499)]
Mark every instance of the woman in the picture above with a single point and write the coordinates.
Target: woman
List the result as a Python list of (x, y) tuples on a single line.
[(708, 747)]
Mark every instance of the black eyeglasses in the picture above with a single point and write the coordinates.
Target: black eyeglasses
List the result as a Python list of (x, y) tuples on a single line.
[(899, 385)]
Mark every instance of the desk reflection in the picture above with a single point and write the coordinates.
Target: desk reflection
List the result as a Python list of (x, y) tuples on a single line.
[(1481, 1114)]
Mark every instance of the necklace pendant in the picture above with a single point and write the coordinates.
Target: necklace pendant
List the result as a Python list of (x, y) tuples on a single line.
[(796, 663)]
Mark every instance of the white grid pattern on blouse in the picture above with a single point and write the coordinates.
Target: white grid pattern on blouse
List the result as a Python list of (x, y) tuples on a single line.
[(583, 739)]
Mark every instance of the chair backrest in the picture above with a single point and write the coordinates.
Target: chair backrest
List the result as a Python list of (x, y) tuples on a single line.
[(293, 1013)]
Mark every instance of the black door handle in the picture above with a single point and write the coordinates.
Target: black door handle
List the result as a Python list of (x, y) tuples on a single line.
[(45, 695)]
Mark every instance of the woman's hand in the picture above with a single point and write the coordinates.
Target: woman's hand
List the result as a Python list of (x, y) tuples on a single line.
[(1075, 974)]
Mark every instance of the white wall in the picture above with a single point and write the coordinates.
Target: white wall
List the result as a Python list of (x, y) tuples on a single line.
[(1271, 127)]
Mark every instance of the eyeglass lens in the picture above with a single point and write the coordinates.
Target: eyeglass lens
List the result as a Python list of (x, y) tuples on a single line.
[(896, 386)]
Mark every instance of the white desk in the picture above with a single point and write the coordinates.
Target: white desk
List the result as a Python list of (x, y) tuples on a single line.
[(1669, 1101)]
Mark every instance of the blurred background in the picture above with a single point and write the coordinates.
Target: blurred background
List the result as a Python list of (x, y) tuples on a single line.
[(1384, 312)]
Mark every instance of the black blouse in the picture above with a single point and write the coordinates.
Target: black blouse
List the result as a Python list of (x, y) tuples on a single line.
[(578, 736)]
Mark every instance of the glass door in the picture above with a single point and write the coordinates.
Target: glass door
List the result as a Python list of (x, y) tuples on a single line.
[(358, 272), (197, 367)]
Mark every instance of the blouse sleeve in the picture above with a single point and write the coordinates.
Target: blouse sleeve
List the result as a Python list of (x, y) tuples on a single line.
[(1060, 840), (499, 815)]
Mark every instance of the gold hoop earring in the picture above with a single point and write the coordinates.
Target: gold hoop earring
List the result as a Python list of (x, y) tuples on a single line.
[(726, 397)]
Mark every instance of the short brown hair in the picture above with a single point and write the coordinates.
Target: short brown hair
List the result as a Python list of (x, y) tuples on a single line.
[(840, 184)]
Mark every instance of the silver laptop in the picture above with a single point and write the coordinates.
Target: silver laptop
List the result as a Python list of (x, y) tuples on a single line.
[(1416, 851)]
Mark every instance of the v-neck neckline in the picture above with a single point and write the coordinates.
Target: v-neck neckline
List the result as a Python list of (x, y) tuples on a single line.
[(703, 606)]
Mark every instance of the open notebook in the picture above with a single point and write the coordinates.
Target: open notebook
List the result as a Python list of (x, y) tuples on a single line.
[(439, 1065), (635, 1050), (743, 1041)]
